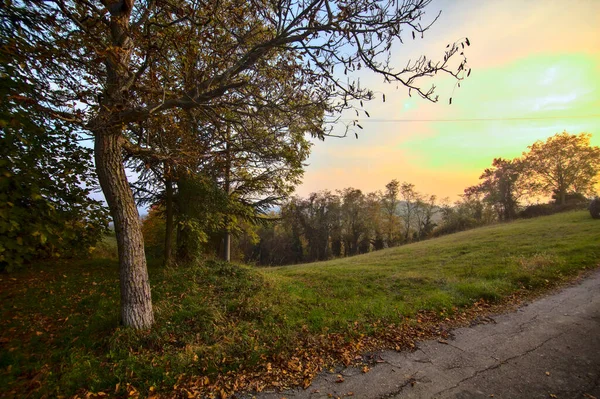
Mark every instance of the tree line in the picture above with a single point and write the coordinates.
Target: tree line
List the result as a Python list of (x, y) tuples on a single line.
[(348, 222), (345, 223)]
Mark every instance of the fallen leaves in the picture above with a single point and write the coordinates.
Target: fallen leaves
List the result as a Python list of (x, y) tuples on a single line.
[(296, 365), (312, 354)]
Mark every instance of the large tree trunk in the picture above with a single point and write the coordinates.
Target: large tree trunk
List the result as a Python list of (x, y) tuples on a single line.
[(136, 301)]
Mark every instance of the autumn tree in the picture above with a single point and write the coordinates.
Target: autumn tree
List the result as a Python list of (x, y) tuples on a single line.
[(502, 187), (353, 219), (374, 221), (425, 211), (468, 212), (92, 63), (408, 208), (253, 148), (261, 161), (153, 229), (563, 164), (336, 227), (316, 216), (389, 201)]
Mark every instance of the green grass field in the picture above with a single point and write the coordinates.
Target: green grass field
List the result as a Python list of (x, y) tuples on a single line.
[(454, 270), (223, 327)]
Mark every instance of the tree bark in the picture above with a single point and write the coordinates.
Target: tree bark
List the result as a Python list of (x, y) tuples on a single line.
[(136, 301)]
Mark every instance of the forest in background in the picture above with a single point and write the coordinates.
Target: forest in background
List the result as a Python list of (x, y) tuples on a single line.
[(348, 222)]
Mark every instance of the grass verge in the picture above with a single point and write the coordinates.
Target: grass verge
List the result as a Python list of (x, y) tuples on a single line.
[(221, 328)]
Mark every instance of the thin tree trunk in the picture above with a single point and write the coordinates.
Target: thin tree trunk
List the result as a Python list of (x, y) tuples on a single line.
[(136, 300), (169, 222), (227, 247), (227, 241), (186, 243), (178, 240)]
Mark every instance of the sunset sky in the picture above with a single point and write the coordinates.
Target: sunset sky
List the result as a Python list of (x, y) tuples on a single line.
[(535, 72)]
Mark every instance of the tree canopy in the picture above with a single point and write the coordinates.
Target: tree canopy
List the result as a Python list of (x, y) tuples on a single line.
[(45, 182), (502, 187), (564, 163)]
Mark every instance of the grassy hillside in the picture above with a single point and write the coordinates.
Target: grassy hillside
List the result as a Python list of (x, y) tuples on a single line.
[(221, 328), (455, 270)]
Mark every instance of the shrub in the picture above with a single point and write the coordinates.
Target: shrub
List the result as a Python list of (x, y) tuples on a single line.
[(549, 209), (533, 211)]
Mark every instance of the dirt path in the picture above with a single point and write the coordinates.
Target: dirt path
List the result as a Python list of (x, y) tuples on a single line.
[(547, 349)]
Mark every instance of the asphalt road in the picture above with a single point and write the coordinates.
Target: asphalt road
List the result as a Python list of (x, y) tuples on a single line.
[(549, 348)]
